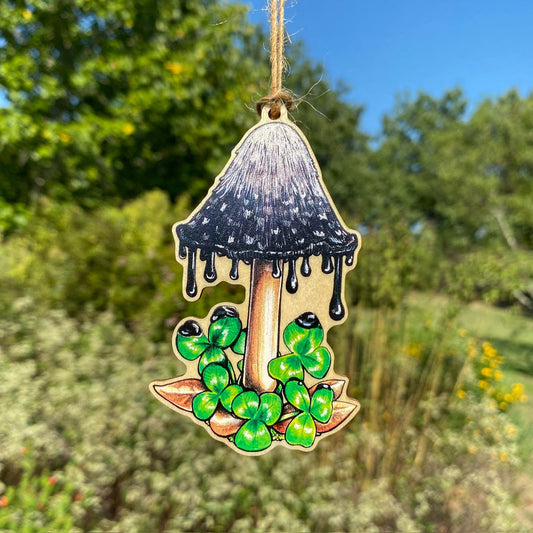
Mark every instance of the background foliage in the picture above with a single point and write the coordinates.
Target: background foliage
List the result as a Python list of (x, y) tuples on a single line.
[(116, 117)]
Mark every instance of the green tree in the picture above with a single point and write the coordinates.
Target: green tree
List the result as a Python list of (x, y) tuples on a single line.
[(110, 98), (503, 130)]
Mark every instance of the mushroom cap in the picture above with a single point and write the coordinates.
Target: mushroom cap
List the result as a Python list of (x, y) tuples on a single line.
[(268, 203)]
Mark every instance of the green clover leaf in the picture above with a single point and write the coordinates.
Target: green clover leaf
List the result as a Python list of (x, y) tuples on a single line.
[(224, 331), (260, 412), (322, 403), (303, 336), (290, 366), (240, 344), (301, 431), (190, 341), (302, 340), (286, 367), (298, 395), (225, 326), (212, 355), (216, 379), (302, 428)]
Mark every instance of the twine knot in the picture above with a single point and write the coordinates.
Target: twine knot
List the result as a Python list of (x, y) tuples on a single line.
[(276, 101)]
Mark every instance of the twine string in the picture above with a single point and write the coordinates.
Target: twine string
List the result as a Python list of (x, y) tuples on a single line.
[(277, 96)]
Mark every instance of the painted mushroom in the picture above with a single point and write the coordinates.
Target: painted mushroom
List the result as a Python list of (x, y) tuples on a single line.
[(268, 208)]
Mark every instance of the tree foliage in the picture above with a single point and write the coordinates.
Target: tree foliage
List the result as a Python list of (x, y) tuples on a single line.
[(107, 99)]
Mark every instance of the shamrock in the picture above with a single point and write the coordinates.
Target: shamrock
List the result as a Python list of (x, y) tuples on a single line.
[(319, 407), (303, 337), (259, 413), (216, 379), (240, 344), (224, 331)]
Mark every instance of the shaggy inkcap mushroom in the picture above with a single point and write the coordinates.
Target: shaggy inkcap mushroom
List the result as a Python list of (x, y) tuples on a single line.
[(269, 205)]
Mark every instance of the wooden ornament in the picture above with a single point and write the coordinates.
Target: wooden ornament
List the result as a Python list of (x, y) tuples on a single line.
[(260, 373)]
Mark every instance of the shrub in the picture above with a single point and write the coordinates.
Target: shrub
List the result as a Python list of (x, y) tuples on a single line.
[(78, 401)]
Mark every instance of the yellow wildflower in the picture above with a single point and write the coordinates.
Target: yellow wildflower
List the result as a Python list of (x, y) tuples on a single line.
[(27, 14), (510, 429), (64, 137), (483, 384), (487, 372), (503, 406), (504, 457), (175, 68), (462, 332), (489, 350), (472, 449), (518, 388), (498, 375), (128, 128), (508, 398), (461, 394)]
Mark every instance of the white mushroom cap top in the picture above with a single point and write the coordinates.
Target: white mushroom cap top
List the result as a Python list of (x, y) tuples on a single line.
[(268, 204)]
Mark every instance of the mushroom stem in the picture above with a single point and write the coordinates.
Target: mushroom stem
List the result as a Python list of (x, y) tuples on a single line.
[(263, 326)]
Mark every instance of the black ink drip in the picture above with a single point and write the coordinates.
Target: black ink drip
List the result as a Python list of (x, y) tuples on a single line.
[(276, 271), (336, 309), (349, 259), (183, 251), (327, 266), (223, 311), (210, 273), (234, 272), (306, 268), (308, 320), (191, 328), (191, 289), (292, 280)]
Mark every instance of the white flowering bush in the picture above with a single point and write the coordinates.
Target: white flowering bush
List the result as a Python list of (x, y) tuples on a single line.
[(87, 301), (84, 447)]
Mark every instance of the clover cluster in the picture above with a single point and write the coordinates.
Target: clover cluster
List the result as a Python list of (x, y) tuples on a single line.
[(250, 419)]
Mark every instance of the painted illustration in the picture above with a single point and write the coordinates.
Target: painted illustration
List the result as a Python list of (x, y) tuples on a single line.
[(260, 373)]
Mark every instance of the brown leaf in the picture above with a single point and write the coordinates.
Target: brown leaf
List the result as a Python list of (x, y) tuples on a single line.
[(181, 392), (224, 424)]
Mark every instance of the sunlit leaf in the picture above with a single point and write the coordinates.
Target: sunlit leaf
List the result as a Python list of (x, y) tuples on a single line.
[(269, 409), (224, 331), (215, 377), (210, 356), (228, 395), (286, 367), (205, 404), (322, 404), (191, 347), (301, 431), (245, 405), (317, 363), (253, 436), (297, 394)]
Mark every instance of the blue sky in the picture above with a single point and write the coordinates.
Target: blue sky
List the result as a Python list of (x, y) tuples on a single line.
[(383, 48)]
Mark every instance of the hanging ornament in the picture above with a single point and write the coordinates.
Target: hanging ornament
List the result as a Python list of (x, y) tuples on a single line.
[(260, 373)]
